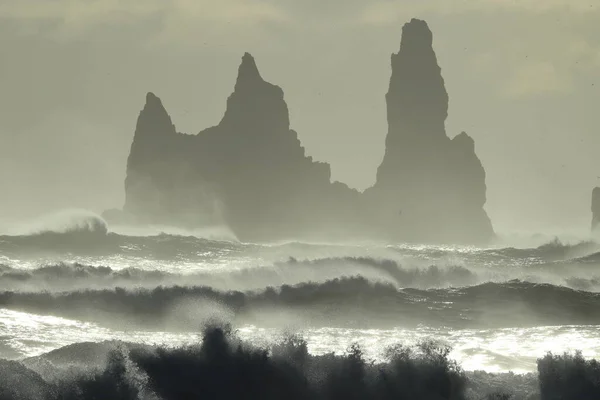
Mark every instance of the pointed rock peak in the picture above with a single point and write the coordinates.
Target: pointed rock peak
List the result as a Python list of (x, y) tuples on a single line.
[(416, 33), (417, 99), (248, 71), (153, 102), (248, 65), (154, 116), (151, 97), (154, 107)]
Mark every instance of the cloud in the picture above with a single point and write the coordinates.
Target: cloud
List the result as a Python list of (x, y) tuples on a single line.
[(233, 19), (530, 5), (534, 78), (77, 16), (70, 10), (536, 45), (390, 11), (238, 11), (387, 12), (543, 53), (74, 10), (73, 17), (518, 74)]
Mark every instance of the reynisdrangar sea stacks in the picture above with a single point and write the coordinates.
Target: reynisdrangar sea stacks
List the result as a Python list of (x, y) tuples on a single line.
[(251, 173)]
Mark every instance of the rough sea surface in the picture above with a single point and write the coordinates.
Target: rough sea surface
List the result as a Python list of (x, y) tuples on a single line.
[(499, 309)]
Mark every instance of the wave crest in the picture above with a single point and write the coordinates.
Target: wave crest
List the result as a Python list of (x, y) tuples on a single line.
[(65, 222), (344, 302)]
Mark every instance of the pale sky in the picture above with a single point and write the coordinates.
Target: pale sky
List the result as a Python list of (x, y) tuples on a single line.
[(523, 79)]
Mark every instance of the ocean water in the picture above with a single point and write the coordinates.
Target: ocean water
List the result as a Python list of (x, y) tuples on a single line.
[(498, 308)]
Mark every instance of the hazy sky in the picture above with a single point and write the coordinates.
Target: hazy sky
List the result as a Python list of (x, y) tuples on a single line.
[(523, 78)]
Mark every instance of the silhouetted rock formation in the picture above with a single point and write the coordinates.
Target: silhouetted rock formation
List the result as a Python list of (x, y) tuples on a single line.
[(595, 208), (251, 173), (437, 183)]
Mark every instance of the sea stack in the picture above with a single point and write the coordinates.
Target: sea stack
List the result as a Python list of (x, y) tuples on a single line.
[(595, 209), (429, 187), (251, 173)]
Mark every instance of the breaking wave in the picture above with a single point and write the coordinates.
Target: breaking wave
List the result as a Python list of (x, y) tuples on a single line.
[(78, 276), (70, 276), (60, 232), (68, 222), (86, 234), (554, 249), (344, 302)]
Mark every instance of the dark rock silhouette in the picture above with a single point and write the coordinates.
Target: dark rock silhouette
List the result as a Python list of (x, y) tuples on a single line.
[(251, 173), (595, 208), (438, 183)]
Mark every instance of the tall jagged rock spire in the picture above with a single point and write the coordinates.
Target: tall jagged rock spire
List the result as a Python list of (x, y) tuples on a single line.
[(436, 182), (417, 101)]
